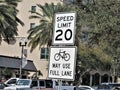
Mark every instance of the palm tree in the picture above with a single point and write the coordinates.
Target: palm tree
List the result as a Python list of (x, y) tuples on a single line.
[(42, 33), (8, 19)]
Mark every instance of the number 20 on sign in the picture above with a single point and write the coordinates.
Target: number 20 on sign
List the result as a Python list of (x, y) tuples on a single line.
[(64, 28)]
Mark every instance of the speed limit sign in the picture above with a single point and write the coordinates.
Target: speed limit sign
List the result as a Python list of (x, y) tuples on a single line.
[(64, 28)]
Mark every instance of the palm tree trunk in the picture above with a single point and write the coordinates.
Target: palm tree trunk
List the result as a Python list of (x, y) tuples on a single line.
[(91, 78), (80, 81), (113, 78)]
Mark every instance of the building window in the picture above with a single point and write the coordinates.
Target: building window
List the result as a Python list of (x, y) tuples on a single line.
[(44, 53), (33, 9), (32, 25)]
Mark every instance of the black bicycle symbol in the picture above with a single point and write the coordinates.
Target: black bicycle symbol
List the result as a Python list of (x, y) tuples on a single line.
[(62, 55)]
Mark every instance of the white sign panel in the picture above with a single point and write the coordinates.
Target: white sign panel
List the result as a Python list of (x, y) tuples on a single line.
[(64, 28), (62, 63)]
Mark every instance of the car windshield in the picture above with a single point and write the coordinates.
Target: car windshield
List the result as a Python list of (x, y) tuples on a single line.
[(23, 82)]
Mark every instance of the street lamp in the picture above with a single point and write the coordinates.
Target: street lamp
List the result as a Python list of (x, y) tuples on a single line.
[(22, 43)]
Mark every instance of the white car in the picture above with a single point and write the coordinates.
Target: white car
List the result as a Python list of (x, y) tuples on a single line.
[(31, 84), (83, 87), (22, 84), (11, 81)]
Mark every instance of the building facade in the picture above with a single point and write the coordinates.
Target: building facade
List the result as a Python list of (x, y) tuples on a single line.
[(13, 49)]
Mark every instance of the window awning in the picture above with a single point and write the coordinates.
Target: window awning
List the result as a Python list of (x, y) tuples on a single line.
[(14, 63)]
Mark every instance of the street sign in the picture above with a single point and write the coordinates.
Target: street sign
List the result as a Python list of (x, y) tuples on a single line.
[(62, 62), (64, 28)]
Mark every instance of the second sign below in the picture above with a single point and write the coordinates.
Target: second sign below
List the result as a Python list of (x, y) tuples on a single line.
[(62, 62)]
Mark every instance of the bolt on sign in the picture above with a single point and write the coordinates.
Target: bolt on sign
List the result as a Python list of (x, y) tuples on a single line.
[(62, 62), (64, 28)]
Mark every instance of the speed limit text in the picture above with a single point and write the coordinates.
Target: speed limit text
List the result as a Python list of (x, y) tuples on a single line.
[(65, 18)]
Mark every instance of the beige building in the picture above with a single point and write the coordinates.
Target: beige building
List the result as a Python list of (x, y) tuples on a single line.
[(14, 50)]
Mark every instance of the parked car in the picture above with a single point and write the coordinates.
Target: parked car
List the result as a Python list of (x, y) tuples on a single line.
[(36, 84), (83, 87), (31, 84), (2, 85), (108, 86), (11, 81)]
